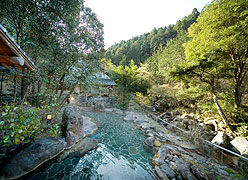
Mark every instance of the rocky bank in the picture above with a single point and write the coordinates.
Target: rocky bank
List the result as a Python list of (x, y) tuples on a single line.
[(75, 128), (177, 158)]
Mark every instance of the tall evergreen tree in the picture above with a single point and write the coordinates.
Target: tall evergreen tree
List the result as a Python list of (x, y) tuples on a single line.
[(61, 36), (221, 31)]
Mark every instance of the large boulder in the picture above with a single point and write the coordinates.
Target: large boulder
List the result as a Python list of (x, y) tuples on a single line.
[(129, 116), (168, 165), (106, 101), (220, 139), (161, 105), (75, 126), (99, 106), (181, 161), (29, 159), (136, 117), (7, 152), (240, 145), (81, 148)]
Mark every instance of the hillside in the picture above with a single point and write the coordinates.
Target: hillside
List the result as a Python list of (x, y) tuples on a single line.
[(142, 47)]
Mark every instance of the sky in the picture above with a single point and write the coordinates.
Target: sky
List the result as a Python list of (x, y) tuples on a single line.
[(124, 19)]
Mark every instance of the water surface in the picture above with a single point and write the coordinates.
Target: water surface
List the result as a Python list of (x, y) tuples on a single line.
[(120, 155)]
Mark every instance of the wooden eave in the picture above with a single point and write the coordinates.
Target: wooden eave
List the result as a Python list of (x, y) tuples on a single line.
[(11, 54)]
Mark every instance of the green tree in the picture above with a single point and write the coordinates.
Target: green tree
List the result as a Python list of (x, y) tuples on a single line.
[(163, 61), (62, 37), (218, 49), (142, 47), (221, 31), (128, 80), (207, 71)]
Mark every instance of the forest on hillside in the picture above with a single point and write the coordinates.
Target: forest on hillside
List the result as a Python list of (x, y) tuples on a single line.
[(198, 65), (169, 104), (142, 47)]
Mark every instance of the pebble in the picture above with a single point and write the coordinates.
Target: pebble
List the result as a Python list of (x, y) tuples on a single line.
[(157, 143)]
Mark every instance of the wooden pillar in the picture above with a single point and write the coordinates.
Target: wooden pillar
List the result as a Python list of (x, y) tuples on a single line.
[(23, 83)]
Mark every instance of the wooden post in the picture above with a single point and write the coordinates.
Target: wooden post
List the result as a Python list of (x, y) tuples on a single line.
[(15, 89), (23, 84), (2, 84)]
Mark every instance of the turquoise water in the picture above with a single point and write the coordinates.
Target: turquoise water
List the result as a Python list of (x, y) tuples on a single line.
[(120, 155)]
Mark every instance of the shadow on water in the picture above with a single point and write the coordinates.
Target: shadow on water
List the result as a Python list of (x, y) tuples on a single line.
[(120, 155)]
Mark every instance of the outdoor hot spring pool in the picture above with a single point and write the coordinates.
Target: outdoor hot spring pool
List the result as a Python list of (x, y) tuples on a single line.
[(120, 155)]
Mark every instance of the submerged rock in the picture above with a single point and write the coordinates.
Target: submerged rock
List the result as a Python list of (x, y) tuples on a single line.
[(39, 152), (129, 116), (75, 126), (150, 141)]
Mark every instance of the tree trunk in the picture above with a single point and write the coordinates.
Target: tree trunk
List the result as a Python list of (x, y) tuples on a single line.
[(39, 86), (239, 75), (67, 96), (220, 111), (32, 92), (237, 95), (61, 93), (60, 84), (86, 97), (38, 91), (2, 84), (25, 94)]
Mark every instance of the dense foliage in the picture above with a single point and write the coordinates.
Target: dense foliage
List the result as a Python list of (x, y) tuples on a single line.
[(202, 65), (18, 124), (164, 60), (226, 44), (128, 79), (142, 47), (199, 63), (22, 124), (217, 54), (63, 39)]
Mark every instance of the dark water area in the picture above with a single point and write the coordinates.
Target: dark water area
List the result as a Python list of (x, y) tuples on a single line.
[(121, 154)]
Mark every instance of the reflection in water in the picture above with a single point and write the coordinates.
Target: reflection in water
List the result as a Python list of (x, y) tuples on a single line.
[(101, 164), (120, 154)]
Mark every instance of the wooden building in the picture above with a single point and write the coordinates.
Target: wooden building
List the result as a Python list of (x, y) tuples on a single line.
[(102, 85), (11, 54)]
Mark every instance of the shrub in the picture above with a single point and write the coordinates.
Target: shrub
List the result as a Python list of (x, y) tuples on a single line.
[(51, 129), (18, 124)]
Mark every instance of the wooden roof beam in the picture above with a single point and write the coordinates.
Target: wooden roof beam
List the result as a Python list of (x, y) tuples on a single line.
[(18, 60), (19, 67), (15, 48), (5, 65)]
